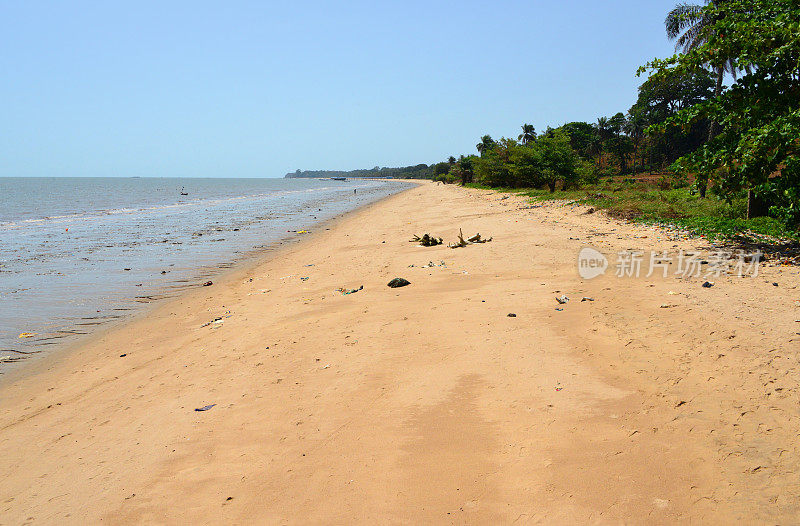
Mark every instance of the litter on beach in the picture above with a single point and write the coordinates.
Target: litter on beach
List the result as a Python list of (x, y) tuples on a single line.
[(11, 358), (205, 407), (219, 320), (430, 264), (28, 334), (349, 291)]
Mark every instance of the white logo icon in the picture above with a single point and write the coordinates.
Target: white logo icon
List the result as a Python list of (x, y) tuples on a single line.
[(591, 263)]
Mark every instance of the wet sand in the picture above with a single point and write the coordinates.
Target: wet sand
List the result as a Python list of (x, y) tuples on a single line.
[(660, 401)]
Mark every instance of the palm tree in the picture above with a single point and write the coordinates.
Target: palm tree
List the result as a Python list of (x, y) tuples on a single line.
[(601, 126), (687, 23), (634, 127), (689, 26), (486, 144), (528, 134), (465, 169)]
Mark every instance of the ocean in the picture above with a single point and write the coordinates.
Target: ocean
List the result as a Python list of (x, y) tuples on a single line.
[(77, 253)]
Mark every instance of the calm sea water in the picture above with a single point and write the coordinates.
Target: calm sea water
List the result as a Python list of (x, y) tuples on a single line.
[(78, 252)]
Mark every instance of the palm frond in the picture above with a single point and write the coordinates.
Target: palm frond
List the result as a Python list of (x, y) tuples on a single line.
[(691, 38), (682, 17)]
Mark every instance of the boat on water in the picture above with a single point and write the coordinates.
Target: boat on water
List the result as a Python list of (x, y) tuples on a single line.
[(184, 192), (338, 178)]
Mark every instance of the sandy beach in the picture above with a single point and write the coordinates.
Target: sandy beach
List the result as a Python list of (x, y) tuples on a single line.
[(657, 401)]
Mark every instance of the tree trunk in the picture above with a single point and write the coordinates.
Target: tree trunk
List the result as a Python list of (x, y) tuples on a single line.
[(713, 128)]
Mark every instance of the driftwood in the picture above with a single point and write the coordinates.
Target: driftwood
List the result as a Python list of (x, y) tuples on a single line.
[(477, 239), (426, 240), (462, 242)]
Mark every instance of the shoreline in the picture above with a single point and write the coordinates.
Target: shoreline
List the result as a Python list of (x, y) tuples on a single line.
[(426, 403), (32, 363)]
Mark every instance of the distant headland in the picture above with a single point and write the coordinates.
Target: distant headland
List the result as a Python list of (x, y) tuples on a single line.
[(419, 171)]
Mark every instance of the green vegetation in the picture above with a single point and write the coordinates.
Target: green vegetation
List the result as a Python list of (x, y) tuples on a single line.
[(755, 137), (647, 201), (543, 161), (578, 153), (725, 158)]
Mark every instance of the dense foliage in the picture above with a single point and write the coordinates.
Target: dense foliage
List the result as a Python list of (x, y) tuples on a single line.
[(582, 152), (758, 117), (539, 161), (660, 98)]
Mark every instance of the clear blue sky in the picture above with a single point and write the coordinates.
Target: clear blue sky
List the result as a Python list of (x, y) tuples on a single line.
[(259, 88)]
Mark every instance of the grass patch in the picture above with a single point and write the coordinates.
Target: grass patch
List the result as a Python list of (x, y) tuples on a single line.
[(728, 228), (498, 189), (643, 201)]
